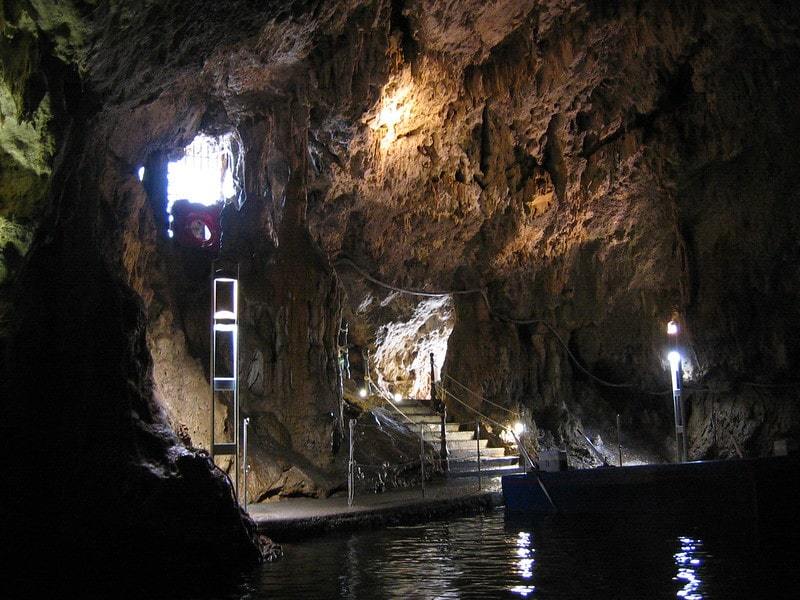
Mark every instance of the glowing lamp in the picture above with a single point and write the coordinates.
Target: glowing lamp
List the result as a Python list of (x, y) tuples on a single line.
[(672, 328), (398, 397), (519, 428), (362, 392)]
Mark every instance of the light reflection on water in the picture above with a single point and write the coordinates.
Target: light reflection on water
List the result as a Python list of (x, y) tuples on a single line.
[(622, 556), (688, 568), (524, 564)]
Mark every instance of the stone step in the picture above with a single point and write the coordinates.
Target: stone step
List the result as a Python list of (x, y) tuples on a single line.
[(416, 410), (434, 434), (471, 452), (467, 445), (490, 472), (424, 418), (447, 426), (491, 462)]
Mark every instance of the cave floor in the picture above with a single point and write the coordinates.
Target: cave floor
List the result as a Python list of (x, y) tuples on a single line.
[(301, 517)]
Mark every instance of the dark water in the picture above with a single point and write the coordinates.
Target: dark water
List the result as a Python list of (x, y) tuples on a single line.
[(489, 556)]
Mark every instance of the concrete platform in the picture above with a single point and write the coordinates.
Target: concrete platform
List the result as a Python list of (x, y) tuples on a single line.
[(303, 517)]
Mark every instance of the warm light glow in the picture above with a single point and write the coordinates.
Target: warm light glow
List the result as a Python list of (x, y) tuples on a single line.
[(519, 428), (398, 397), (395, 108), (672, 328), (362, 392), (674, 360)]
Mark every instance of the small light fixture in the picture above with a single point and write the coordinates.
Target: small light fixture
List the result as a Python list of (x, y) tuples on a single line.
[(519, 428), (672, 328), (398, 397), (362, 392)]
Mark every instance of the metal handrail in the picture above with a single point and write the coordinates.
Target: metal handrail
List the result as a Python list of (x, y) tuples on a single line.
[(385, 397), (521, 448), (594, 448), (477, 395)]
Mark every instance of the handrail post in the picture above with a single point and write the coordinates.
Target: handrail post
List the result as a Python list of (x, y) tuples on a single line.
[(350, 465), (422, 456), (441, 408), (443, 439), (478, 441), (245, 425), (619, 440)]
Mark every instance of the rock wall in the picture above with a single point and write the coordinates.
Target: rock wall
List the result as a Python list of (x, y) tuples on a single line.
[(599, 168), (129, 496)]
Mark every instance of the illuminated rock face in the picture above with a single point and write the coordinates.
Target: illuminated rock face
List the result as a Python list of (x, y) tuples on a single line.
[(596, 170), (599, 170)]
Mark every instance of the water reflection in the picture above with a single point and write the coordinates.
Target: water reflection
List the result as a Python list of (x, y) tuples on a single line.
[(525, 560), (560, 558), (688, 566)]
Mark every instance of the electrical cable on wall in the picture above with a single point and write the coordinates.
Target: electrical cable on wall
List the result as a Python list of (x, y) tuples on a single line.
[(343, 260)]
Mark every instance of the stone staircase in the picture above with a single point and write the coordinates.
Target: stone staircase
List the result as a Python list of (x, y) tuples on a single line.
[(461, 443)]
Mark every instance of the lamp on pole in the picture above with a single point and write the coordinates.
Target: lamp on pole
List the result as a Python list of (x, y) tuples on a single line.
[(676, 375)]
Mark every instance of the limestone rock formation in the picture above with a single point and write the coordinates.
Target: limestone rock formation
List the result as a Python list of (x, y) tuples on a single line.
[(572, 174)]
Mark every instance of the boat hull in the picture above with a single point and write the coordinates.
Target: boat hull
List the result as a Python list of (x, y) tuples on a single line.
[(763, 487)]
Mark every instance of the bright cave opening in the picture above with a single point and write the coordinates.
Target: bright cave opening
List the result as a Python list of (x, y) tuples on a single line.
[(200, 181)]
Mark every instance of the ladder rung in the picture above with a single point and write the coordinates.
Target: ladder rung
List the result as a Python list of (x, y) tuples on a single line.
[(225, 449), (222, 384)]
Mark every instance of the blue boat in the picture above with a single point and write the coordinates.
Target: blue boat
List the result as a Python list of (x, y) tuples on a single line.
[(764, 488)]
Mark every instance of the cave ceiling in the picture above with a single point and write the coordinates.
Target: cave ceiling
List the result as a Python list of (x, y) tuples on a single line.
[(581, 161), (523, 129)]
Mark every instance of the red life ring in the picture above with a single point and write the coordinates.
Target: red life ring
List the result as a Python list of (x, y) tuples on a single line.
[(196, 225)]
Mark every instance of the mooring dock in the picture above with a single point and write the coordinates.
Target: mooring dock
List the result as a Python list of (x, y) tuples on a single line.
[(302, 517)]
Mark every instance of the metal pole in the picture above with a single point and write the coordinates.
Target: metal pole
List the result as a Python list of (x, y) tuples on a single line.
[(684, 429), (244, 459), (422, 456), (677, 401), (619, 440), (443, 439), (680, 428), (676, 373), (441, 408), (212, 361), (350, 491), (367, 376), (478, 441)]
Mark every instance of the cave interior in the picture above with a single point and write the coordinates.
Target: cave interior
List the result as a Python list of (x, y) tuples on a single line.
[(516, 195)]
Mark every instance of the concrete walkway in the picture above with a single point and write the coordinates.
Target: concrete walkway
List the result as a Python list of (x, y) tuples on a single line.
[(301, 517)]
